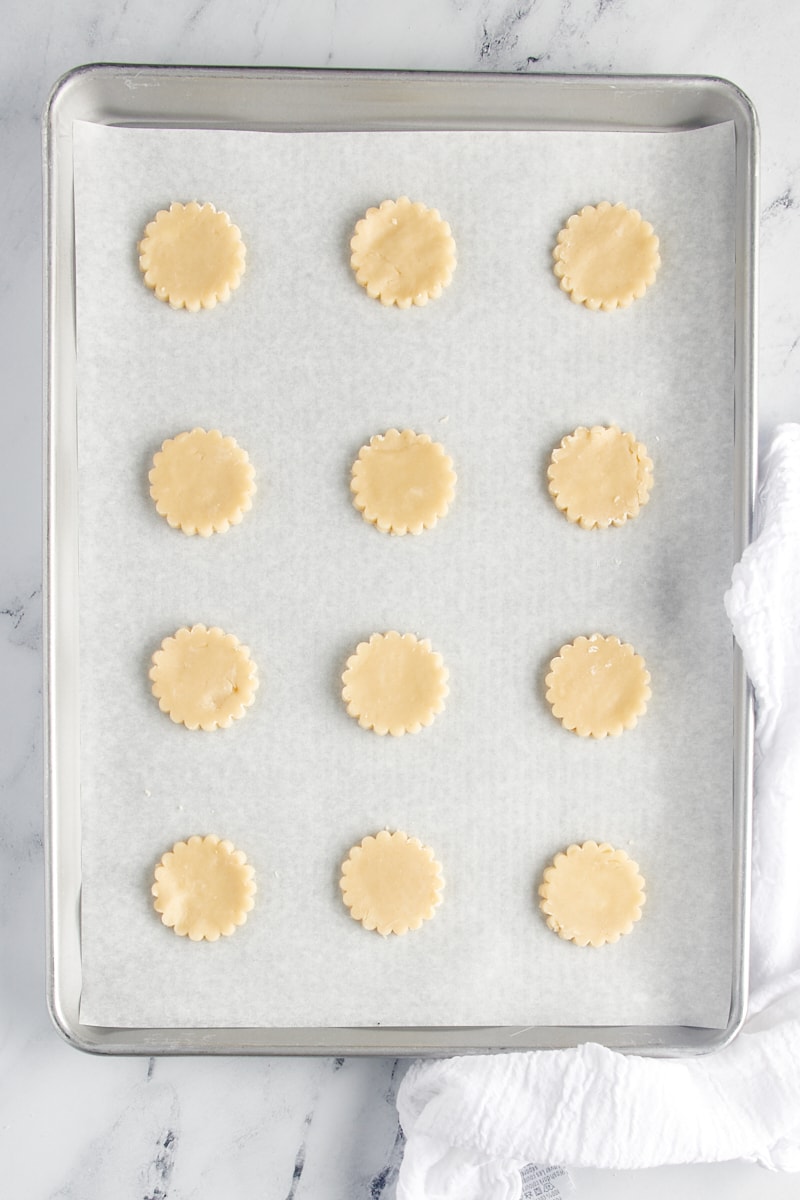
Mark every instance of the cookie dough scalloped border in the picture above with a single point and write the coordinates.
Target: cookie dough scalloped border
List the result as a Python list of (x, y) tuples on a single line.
[(203, 888), (599, 477), (203, 678), (391, 883), (402, 482), (606, 256), (394, 683), (202, 482), (592, 894), (598, 686), (403, 253), (192, 256)]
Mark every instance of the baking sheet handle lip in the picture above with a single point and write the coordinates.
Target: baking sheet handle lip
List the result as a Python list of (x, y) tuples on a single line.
[(611, 79), (48, 302), (747, 138), (205, 1042), (67, 1025), (54, 1005), (61, 1005), (745, 114), (740, 992)]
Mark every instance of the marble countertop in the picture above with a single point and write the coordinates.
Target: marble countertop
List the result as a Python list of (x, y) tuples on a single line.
[(83, 1128)]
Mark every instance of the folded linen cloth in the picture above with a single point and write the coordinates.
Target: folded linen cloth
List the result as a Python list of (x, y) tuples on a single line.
[(471, 1123)]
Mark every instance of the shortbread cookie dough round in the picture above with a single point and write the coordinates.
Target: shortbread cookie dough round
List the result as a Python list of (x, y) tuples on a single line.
[(600, 476), (598, 686), (192, 256), (391, 883), (202, 482), (606, 256), (592, 894), (403, 253), (402, 482), (203, 678), (394, 683), (204, 888)]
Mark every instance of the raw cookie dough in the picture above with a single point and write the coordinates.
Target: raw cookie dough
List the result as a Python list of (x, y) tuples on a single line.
[(202, 482), (391, 883), (403, 253), (600, 476), (592, 894), (394, 684), (192, 256), (598, 686), (203, 678), (402, 482), (203, 888), (606, 257)]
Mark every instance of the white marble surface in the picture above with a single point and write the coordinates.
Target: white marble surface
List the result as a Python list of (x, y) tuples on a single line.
[(83, 1128)]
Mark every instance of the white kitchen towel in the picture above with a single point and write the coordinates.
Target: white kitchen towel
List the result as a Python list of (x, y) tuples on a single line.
[(471, 1123)]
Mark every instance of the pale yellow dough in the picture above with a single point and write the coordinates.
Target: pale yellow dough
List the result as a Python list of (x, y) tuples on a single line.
[(391, 883), (402, 482), (403, 253), (203, 888), (592, 894), (203, 678), (394, 684), (600, 476), (192, 256), (606, 256), (202, 482), (598, 686)]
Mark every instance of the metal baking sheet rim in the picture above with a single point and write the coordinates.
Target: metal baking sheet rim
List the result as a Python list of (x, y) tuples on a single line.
[(229, 97)]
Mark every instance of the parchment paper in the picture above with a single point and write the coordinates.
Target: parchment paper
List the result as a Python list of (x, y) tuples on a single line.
[(302, 368)]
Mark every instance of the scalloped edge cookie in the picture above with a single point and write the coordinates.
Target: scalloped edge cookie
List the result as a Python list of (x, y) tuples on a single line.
[(592, 894), (192, 256), (391, 883), (203, 678), (606, 256), (600, 476), (203, 888), (402, 482), (403, 253), (202, 482), (394, 683), (598, 686)]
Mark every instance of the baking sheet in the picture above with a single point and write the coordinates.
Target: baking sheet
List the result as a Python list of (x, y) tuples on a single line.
[(302, 368)]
